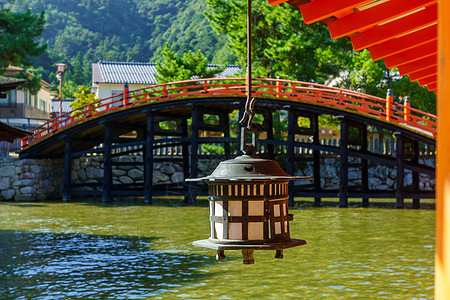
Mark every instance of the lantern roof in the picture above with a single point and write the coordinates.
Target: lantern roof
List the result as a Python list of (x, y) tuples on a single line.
[(248, 168)]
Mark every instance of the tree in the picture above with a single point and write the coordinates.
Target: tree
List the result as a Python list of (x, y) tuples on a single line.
[(190, 65), (18, 33), (283, 45), (83, 97), (372, 77)]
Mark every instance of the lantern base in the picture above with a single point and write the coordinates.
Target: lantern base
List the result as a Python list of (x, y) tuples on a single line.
[(247, 249), (227, 246)]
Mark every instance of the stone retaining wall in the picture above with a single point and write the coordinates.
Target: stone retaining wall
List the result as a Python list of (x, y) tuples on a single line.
[(31, 179)]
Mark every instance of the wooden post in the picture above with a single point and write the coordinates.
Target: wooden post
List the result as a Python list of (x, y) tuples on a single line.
[(194, 154), (364, 169), (290, 154), (67, 170), (389, 104), (343, 171), (407, 109), (107, 164), (442, 290), (316, 163), (400, 158), (186, 156), (126, 94), (226, 135), (148, 159), (270, 147), (279, 87), (415, 177)]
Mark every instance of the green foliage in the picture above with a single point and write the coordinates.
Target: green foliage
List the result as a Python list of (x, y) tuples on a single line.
[(283, 45), (69, 89), (83, 97), (18, 33), (176, 68), (81, 32), (33, 83), (373, 78)]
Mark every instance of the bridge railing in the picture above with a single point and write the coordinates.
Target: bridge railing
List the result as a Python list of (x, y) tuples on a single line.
[(266, 88)]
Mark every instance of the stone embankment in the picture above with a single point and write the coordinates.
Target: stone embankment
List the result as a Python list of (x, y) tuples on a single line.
[(31, 179)]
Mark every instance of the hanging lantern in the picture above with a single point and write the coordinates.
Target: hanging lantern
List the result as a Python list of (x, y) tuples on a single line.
[(248, 196), (248, 202)]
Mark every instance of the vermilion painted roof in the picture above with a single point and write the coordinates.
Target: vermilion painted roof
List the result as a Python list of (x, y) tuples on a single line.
[(402, 32)]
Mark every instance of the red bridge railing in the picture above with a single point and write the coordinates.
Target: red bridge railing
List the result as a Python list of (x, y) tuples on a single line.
[(338, 98)]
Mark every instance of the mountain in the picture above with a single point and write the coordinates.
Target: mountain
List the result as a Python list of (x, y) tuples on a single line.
[(81, 32)]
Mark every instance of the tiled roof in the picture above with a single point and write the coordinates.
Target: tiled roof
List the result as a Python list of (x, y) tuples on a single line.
[(230, 70), (137, 73), (65, 105), (121, 72)]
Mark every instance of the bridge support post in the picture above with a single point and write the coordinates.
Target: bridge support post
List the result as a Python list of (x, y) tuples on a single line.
[(186, 155), (399, 195), (415, 177), (316, 161), (67, 180), (107, 164), (343, 173), (290, 154), (194, 154), (148, 159), (270, 146), (364, 169), (226, 135)]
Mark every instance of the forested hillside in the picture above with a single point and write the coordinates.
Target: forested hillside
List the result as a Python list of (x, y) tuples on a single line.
[(80, 32)]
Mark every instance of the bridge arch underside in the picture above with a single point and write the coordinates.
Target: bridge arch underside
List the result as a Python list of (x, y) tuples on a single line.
[(190, 131)]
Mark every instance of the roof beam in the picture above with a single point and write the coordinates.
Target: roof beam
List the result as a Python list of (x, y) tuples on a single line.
[(411, 54), (432, 86), (423, 73), (375, 15), (428, 80), (418, 65), (395, 28), (276, 2), (317, 10), (403, 43)]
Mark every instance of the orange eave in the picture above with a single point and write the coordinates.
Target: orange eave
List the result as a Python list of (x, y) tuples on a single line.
[(403, 33)]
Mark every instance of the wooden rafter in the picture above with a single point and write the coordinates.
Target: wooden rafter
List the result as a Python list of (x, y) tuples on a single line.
[(403, 43), (315, 11), (411, 55), (418, 65), (371, 17), (423, 73), (428, 80), (403, 33), (394, 29)]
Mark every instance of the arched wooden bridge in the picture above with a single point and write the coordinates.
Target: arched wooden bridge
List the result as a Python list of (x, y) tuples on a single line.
[(189, 114)]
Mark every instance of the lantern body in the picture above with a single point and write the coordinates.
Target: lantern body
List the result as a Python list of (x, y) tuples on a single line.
[(249, 212), (248, 207)]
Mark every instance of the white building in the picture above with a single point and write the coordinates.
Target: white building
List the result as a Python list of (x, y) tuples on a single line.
[(108, 78), (18, 105)]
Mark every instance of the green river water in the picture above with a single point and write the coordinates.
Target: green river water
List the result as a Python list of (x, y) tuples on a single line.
[(127, 250)]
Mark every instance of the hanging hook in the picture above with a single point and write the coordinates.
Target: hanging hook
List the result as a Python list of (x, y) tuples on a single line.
[(249, 113)]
